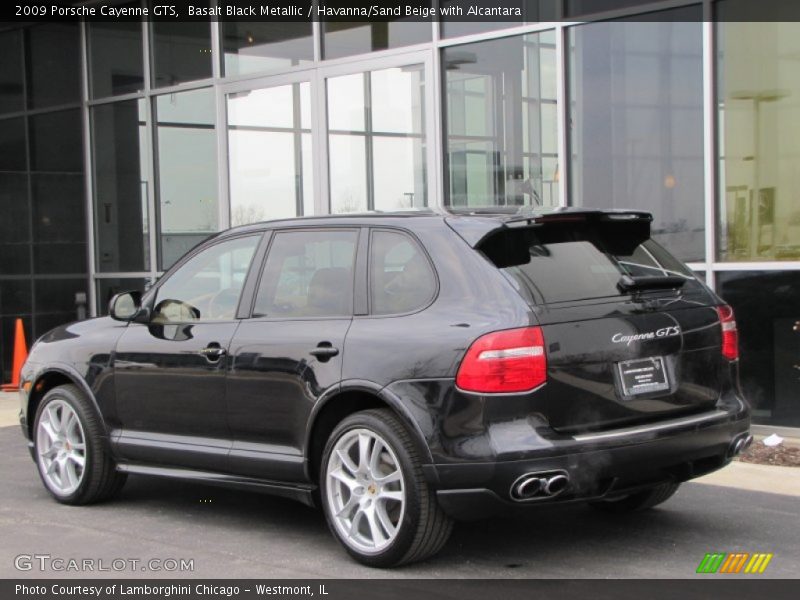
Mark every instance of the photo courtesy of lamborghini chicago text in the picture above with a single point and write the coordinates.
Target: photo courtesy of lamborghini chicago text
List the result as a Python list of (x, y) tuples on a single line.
[(453, 299)]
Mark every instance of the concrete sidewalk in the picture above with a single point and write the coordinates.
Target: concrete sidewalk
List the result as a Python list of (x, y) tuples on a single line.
[(756, 478), (9, 409), (744, 476)]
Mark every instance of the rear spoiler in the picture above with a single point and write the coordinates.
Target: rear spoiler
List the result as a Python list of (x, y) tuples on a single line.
[(621, 230)]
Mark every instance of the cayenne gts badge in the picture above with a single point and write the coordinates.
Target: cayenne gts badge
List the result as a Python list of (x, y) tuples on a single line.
[(621, 338)]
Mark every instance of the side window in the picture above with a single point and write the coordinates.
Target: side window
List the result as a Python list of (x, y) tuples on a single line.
[(208, 286), (308, 274), (400, 279)]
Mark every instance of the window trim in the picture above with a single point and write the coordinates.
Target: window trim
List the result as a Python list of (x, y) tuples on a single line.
[(436, 283), (272, 235)]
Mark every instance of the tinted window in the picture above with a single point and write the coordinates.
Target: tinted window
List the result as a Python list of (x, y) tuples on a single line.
[(308, 274), (181, 52), (767, 306), (635, 111), (187, 171), (400, 279), (265, 46), (53, 64), (269, 153), (341, 38), (12, 145), (376, 137), (500, 118), (115, 57), (208, 286), (121, 155), (548, 268), (57, 193), (759, 199), (11, 93)]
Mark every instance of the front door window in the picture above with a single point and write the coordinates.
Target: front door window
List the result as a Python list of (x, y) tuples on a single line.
[(208, 286)]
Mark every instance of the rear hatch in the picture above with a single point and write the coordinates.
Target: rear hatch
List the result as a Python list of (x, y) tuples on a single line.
[(631, 335)]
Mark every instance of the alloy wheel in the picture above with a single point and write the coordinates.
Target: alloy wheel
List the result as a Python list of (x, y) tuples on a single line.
[(365, 491), (61, 448)]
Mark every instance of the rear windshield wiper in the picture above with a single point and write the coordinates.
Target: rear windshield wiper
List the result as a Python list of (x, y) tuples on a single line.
[(628, 283)]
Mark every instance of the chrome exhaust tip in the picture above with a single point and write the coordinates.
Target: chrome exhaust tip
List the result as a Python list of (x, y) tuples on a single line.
[(737, 447), (526, 488), (539, 486), (740, 444), (555, 485)]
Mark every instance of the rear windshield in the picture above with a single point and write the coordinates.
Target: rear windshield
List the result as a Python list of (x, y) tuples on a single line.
[(549, 266)]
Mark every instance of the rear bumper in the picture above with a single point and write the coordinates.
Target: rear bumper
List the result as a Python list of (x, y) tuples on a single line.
[(598, 465)]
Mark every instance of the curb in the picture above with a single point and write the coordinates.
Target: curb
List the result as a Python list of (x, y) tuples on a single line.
[(769, 479)]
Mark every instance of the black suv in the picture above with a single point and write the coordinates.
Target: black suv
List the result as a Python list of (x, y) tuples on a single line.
[(401, 370)]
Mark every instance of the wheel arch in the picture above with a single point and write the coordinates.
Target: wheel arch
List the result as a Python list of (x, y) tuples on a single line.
[(52, 377), (347, 399)]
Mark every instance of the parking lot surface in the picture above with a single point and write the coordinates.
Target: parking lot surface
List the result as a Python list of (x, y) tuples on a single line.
[(235, 534)]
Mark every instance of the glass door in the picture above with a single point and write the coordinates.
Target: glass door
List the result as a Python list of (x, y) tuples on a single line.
[(269, 149), (378, 123), (340, 138)]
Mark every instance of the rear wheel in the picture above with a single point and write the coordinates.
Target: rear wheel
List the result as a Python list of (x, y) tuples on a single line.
[(376, 500), (74, 462), (637, 501)]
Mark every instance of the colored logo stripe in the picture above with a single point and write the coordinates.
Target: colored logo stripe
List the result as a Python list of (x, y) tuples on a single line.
[(734, 562), (722, 562), (711, 563), (758, 563)]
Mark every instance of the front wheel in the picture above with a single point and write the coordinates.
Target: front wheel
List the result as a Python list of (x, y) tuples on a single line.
[(375, 497), (637, 501), (74, 462)]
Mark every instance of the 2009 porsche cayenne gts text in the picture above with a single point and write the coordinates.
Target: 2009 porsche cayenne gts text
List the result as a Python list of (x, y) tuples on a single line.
[(401, 371)]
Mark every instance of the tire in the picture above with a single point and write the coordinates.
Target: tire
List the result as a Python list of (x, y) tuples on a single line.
[(406, 522), (638, 501), (72, 456)]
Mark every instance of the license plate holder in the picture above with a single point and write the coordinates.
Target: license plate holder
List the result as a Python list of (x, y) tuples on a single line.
[(643, 376)]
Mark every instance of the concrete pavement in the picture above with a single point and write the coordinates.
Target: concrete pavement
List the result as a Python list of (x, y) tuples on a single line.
[(725, 511), (9, 409), (236, 534)]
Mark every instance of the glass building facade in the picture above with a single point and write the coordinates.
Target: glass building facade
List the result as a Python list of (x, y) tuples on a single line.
[(123, 145)]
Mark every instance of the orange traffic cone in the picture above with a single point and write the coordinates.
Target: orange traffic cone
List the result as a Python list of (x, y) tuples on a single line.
[(20, 354)]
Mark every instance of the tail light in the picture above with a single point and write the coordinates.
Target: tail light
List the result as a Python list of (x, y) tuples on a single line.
[(503, 362), (730, 335)]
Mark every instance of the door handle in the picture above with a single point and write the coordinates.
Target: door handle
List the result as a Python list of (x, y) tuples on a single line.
[(213, 352), (324, 351)]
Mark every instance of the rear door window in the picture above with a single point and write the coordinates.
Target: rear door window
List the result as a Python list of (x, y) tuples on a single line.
[(308, 274)]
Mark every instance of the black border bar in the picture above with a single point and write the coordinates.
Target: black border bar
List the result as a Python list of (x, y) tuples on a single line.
[(507, 12)]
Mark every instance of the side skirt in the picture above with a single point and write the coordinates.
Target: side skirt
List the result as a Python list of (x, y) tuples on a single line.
[(301, 493)]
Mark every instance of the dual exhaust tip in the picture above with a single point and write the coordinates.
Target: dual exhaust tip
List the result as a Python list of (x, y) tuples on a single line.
[(539, 485), (549, 484), (740, 444)]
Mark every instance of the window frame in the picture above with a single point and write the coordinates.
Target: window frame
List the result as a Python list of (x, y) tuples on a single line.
[(258, 276), (368, 271)]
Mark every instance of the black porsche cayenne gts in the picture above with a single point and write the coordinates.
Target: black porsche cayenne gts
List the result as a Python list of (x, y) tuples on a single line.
[(401, 370)]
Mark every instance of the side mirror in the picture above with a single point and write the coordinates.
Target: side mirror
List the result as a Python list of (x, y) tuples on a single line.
[(125, 306)]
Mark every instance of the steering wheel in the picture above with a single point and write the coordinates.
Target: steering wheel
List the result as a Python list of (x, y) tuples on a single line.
[(222, 305)]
